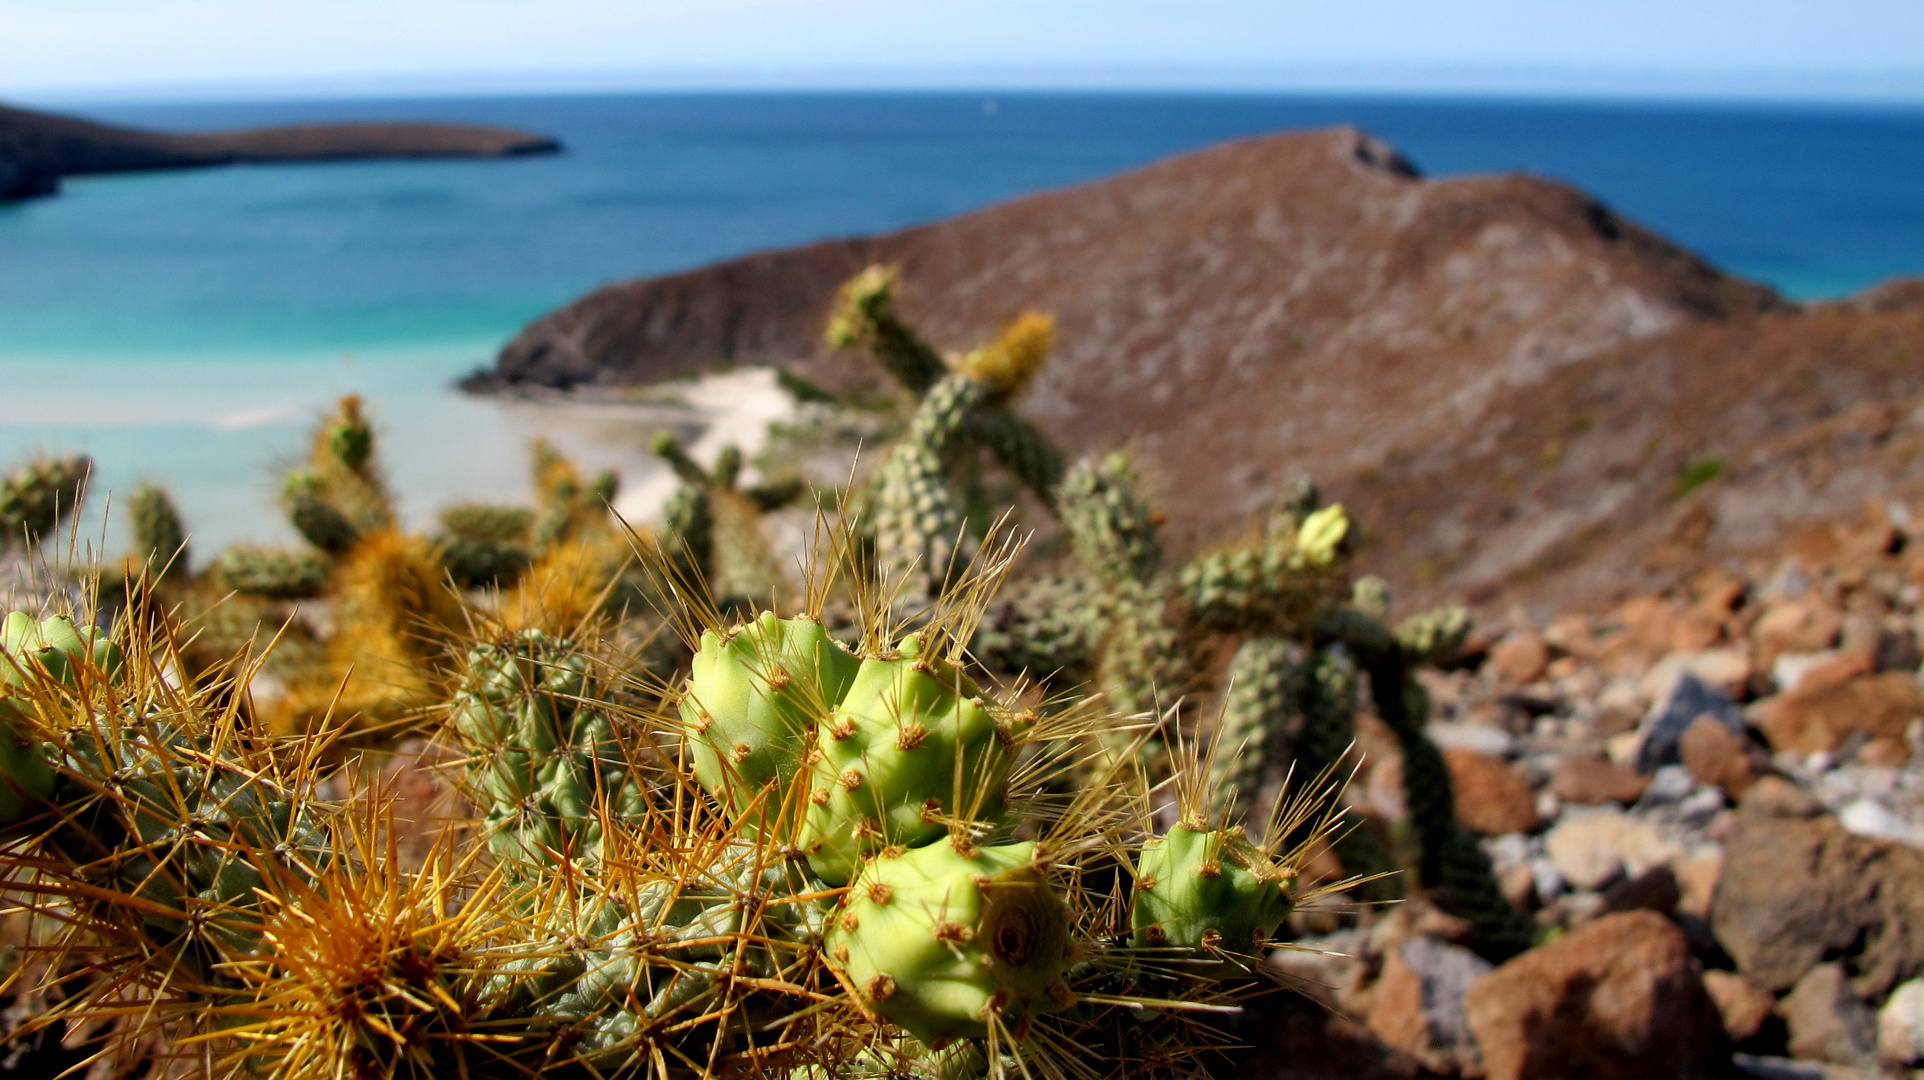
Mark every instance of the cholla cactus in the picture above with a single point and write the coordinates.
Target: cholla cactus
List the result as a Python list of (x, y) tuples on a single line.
[(40, 494), (160, 539)]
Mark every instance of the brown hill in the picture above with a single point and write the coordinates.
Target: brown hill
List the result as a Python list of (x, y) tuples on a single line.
[(37, 149), (1506, 375)]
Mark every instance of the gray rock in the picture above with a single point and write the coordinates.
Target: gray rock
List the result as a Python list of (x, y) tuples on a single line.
[(1663, 728), (1827, 1022)]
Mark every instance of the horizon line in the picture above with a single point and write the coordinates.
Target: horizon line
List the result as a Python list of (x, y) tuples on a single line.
[(1890, 87)]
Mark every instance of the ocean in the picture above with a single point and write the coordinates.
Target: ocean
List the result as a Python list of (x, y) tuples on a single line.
[(187, 327)]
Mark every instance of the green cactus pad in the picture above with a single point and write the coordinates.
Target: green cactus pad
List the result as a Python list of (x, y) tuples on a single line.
[(750, 704), (911, 744), (28, 650), (940, 940), (1208, 892)]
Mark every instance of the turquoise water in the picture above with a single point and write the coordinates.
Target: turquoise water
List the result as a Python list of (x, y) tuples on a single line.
[(187, 326)]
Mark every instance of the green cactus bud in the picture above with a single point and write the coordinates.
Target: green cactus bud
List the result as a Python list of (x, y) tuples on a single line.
[(49, 649), (751, 704), (1209, 892), (943, 941), (912, 745)]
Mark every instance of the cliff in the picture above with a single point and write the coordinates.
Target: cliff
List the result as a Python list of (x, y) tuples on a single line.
[(37, 149), (1512, 381)]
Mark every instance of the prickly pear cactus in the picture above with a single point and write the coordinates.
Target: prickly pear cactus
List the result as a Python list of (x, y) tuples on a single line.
[(750, 707), (912, 747), (545, 759), (1209, 892), (951, 939)]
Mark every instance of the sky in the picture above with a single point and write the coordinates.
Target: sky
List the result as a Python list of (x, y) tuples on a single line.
[(51, 49)]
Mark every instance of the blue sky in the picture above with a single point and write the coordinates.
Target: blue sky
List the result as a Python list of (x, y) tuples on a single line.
[(1785, 48)]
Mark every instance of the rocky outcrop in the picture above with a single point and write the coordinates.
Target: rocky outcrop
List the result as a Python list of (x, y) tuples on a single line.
[(37, 149), (1536, 400)]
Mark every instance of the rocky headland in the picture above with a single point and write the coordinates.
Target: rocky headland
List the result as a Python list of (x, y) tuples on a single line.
[(38, 149), (1537, 400)]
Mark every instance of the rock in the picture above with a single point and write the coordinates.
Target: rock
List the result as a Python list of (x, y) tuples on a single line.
[(1417, 1005), (1663, 729), (1796, 626), (1794, 892), (1590, 850), (1618, 999), (1478, 738), (1716, 756), (1826, 1021), (1656, 889), (1697, 883), (1868, 817), (1491, 797), (1775, 797), (1787, 672), (1900, 1025), (1727, 669), (1743, 1006), (1814, 719), (1808, 671), (1296, 1038), (1520, 658), (1590, 781)]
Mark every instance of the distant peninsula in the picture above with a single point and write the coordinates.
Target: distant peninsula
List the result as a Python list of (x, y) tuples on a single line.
[(38, 149)]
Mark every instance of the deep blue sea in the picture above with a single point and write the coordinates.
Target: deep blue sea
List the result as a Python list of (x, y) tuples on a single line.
[(186, 326)]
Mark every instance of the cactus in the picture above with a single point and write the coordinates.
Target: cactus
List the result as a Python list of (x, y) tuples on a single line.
[(1210, 893), (160, 540), (750, 706), (1109, 520), (543, 754), (1265, 685), (865, 316), (1434, 637), (40, 494), (1049, 627), (913, 745), (1278, 582), (269, 573), (485, 545), (571, 505), (918, 519), (319, 521), (952, 940)]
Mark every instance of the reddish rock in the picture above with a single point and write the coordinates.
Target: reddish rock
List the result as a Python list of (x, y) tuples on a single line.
[(1830, 671), (1491, 797), (1795, 626), (1520, 658), (1618, 999), (1697, 883), (1819, 718), (1300, 1039), (1717, 756), (1826, 1021), (1743, 1006), (1591, 781), (1656, 889), (1797, 891)]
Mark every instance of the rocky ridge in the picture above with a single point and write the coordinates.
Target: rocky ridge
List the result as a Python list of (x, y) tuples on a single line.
[(38, 149), (1536, 400)]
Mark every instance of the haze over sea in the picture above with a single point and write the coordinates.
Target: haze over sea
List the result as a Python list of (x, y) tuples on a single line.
[(187, 327)]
